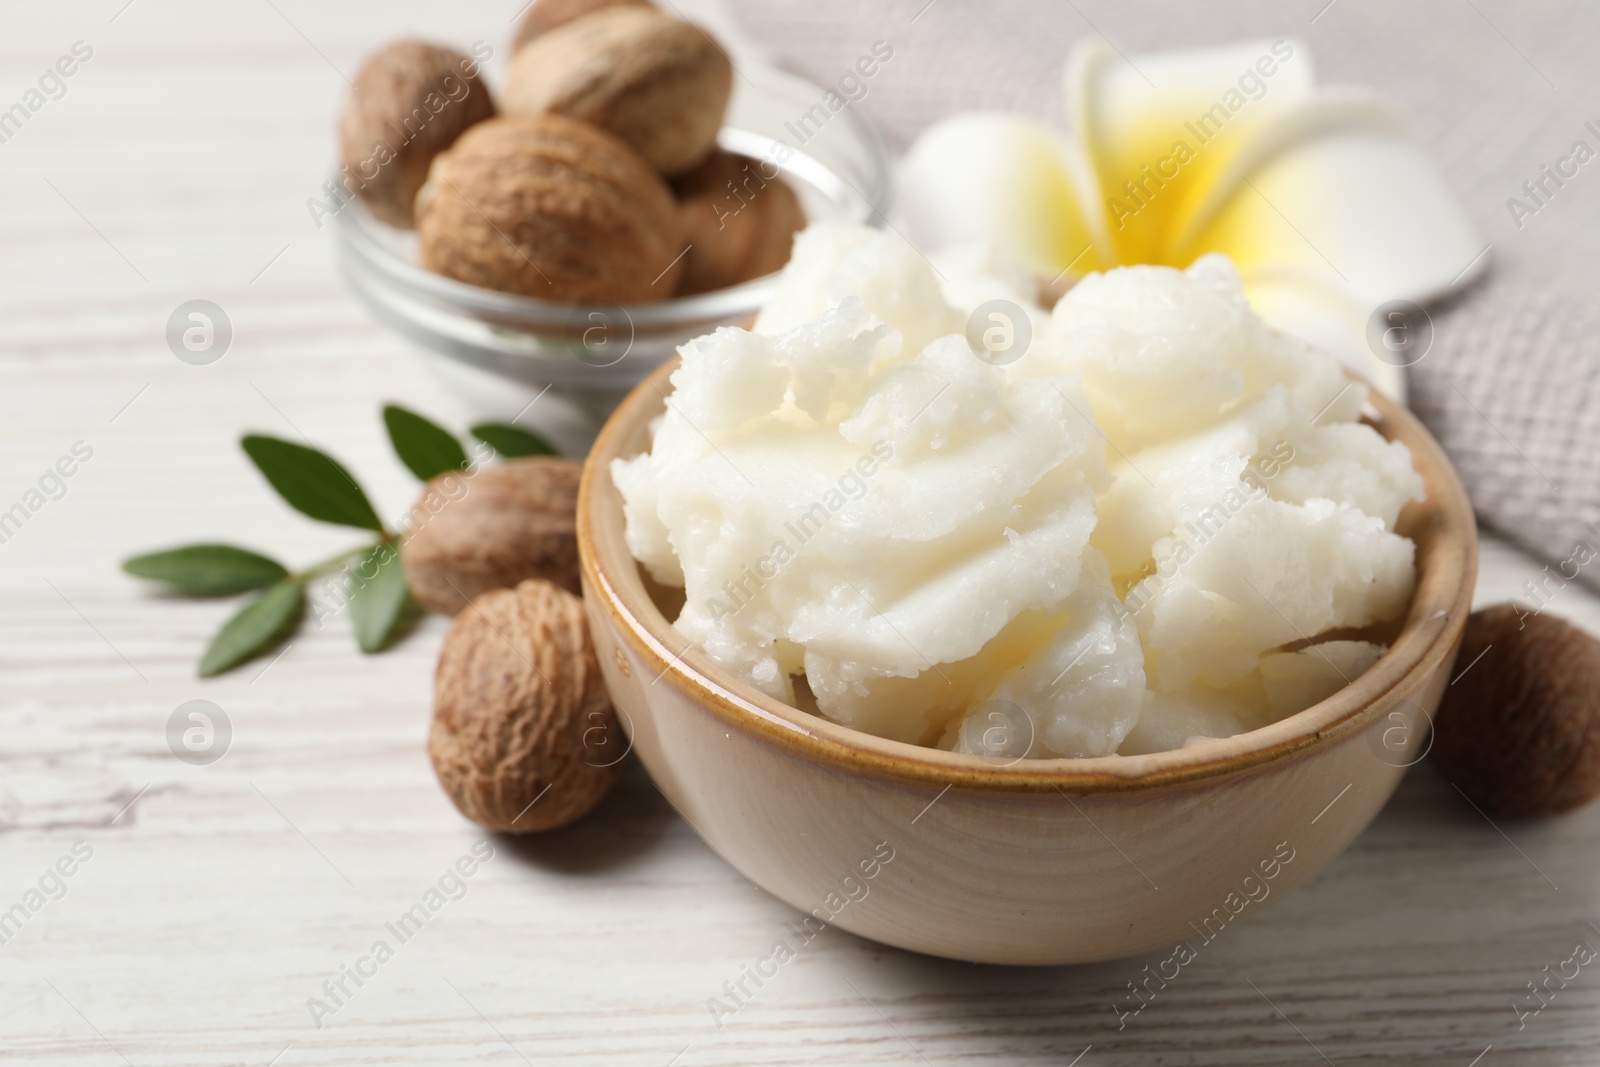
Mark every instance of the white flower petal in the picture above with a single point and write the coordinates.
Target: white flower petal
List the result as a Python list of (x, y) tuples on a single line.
[(996, 178), (1159, 129), (1340, 190)]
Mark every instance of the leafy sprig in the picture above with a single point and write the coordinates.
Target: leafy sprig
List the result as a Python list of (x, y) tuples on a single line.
[(320, 487)]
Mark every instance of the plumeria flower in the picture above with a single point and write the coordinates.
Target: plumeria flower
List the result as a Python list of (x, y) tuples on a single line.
[(1339, 224)]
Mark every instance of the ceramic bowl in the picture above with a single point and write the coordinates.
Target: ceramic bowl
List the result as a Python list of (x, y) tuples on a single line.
[(1039, 861)]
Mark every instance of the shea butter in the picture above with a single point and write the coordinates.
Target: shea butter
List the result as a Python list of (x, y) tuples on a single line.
[(1130, 536)]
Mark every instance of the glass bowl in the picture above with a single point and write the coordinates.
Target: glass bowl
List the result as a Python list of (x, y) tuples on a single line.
[(501, 351)]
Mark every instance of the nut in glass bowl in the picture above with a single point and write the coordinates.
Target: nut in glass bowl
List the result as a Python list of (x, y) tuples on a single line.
[(499, 351)]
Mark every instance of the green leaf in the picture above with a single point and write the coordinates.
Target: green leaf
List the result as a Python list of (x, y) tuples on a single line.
[(425, 448), (512, 441), (260, 625), (207, 570), (313, 482), (378, 596)]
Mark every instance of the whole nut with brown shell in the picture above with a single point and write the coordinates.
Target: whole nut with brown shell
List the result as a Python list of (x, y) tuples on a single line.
[(545, 15), (658, 83), (499, 526), (550, 207), (739, 219), (1518, 730), (410, 101), (522, 726)]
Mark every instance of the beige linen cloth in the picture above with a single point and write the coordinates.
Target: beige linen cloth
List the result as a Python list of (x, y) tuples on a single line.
[(1511, 383)]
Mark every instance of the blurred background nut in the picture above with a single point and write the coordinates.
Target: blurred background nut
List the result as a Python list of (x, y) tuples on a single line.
[(410, 101), (517, 689), (658, 83), (739, 219), (1519, 729), (550, 207), (514, 520), (546, 15)]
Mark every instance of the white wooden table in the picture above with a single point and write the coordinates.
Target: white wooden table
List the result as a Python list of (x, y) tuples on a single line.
[(219, 898)]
